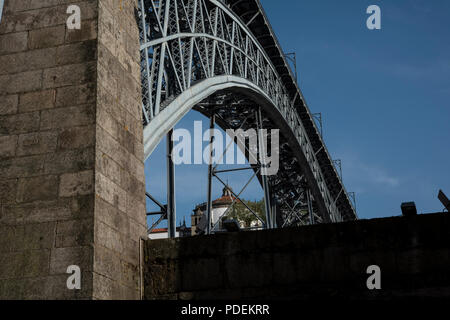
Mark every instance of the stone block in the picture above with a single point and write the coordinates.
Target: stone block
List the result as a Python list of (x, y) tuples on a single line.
[(109, 168), (105, 289), (69, 75), (111, 216), (19, 123), (36, 263), (68, 117), (8, 104), (13, 42), (37, 188), (25, 5), (46, 37), (73, 184), (11, 265), (43, 17), (55, 287), (110, 192), (44, 211), (12, 238), (76, 138), (76, 52), (8, 190), (76, 95), (12, 289), (109, 124), (74, 233), (129, 274), (28, 60), (62, 258), (163, 279), (88, 31), (130, 251), (109, 238), (21, 82), (8, 146), (107, 263), (69, 161), (37, 143), (39, 236), (202, 274), (38, 100), (21, 167)]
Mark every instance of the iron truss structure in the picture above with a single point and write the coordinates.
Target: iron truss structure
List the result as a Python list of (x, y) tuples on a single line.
[(222, 58)]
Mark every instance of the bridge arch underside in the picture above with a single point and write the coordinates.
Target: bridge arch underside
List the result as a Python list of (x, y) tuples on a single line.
[(235, 101)]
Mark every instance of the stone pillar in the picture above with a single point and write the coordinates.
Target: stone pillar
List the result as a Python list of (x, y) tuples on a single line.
[(72, 188)]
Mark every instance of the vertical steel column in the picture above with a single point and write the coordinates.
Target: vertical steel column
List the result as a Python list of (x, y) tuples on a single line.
[(310, 209), (210, 174), (1, 9), (274, 211), (265, 183), (171, 206)]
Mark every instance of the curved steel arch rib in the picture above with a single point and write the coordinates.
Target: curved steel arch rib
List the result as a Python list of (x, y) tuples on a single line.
[(192, 49)]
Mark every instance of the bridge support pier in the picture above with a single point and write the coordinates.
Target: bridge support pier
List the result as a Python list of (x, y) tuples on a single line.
[(72, 189)]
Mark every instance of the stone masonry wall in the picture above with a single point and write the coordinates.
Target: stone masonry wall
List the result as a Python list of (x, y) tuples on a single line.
[(71, 154), (322, 261)]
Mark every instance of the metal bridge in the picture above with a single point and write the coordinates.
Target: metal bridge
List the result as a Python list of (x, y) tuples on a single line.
[(222, 58)]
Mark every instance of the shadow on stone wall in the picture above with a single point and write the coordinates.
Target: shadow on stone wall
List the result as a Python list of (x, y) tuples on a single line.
[(305, 263)]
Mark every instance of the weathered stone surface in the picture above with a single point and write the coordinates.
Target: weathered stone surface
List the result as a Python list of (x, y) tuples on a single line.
[(77, 52), (8, 190), (74, 233), (74, 74), (46, 37), (88, 31), (37, 188), (107, 263), (71, 151), (42, 17), (61, 258), (21, 82), (301, 263), (36, 143), (74, 184), (38, 100), (19, 123), (69, 161), (76, 138), (29, 60), (8, 145), (39, 236), (8, 104), (68, 117), (21, 167), (76, 95), (13, 42)]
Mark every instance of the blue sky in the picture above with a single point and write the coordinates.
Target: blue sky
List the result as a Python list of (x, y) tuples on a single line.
[(384, 96)]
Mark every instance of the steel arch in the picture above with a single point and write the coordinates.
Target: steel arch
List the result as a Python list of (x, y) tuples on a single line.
[(192, 49)]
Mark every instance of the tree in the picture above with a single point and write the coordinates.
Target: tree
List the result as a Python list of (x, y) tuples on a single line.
[(244, 216)]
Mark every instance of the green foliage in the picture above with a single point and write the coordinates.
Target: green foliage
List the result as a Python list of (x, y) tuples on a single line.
[(245, 216)]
